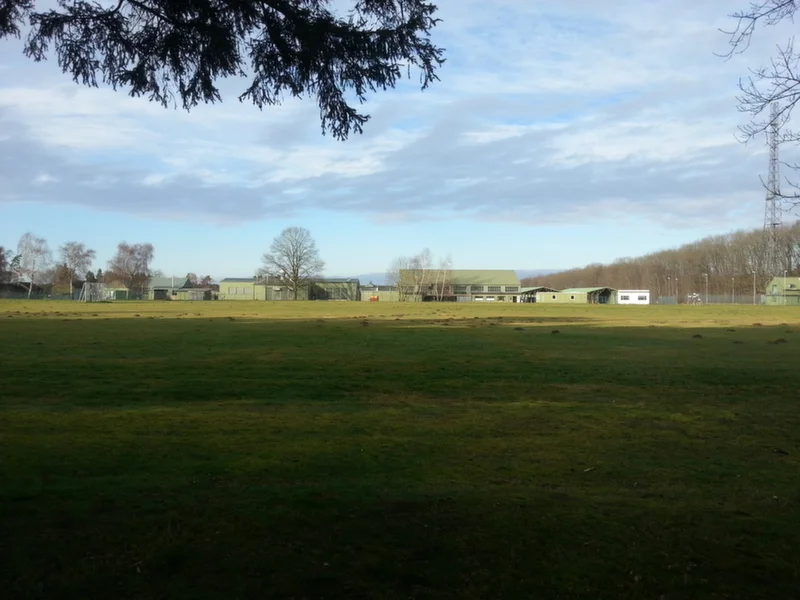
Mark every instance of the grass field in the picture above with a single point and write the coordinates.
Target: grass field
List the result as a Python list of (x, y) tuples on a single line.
[(386, 451)]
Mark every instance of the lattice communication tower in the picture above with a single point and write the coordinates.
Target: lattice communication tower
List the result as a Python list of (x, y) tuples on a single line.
[(773, 210)]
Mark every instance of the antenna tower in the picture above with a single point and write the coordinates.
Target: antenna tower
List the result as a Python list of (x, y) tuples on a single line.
[(773, 210)]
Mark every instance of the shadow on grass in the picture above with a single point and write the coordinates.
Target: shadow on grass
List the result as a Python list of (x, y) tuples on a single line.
[(131, 361), (253, 458)]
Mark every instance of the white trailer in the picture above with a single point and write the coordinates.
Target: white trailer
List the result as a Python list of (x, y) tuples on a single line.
[(633, 297)]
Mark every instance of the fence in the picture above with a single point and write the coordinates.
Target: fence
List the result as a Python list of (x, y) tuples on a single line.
[(36, 296), (743, 299)]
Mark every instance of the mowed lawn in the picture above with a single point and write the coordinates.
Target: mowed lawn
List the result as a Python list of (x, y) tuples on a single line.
[(385, 451)]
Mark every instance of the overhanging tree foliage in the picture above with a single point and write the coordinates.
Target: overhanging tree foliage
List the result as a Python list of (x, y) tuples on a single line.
[(777, 82), (174, 51)]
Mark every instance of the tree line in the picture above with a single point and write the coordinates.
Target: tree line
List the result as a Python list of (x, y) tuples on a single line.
[(33, 266), (719, 264), (293, 261)]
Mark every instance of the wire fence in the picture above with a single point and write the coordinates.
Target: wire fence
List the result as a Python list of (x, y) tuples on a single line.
[(36, 296), (743, 299)]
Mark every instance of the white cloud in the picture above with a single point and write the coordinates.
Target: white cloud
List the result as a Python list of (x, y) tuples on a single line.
[(567, 111)]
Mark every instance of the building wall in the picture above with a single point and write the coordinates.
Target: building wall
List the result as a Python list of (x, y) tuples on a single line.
[(381, 295), (783, 290), (561, 298), (193, 295), (241, 290), (633, 297), (780, 300), (275, 293), (335, 290), (324, 290)]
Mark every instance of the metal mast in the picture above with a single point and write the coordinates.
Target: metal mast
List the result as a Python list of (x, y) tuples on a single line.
[(773, 218)]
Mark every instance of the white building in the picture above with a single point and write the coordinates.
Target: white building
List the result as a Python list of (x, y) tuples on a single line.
[(633, 297)]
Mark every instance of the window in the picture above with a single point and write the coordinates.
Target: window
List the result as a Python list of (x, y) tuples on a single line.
[(460, 289), (625, 297), (642, 298), (475, 288), (512, 288), (495, 288), (572, 297), (554, 296)]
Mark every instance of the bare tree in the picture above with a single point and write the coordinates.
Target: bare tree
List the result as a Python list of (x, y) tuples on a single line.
[(293, 259), (5, 274), (175, 52), (47, 278), (415, 276), (34, 257), (131, 265), (77, 258), (778, 82), (400, 275), (442, 281), (421, 265)]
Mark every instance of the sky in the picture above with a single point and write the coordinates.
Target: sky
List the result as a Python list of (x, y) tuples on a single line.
[(560, 134)]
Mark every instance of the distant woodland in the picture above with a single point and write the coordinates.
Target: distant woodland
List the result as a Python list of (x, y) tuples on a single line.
[(728, 261)]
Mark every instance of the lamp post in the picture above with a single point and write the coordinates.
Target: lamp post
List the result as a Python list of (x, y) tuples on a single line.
[(706, 275), (733, 290), (754, 287)]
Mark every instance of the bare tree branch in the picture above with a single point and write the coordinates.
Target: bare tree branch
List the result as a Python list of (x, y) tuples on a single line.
[(174, 52), (77, 258), (131, 265), (777, 83), (34, 258)]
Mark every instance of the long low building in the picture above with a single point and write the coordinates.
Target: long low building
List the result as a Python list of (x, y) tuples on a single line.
[(633, 296), (252, 288), (596, 295), (459, 285)]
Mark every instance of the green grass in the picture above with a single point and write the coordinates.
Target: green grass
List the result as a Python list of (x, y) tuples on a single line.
[(386, 451)]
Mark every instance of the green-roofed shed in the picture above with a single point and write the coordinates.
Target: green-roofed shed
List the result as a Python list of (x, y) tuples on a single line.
[(166, 288), (528, 294), (585, 295), (783, 291)]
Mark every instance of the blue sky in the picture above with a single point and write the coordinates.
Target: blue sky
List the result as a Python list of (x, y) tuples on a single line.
[(560, 134)]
